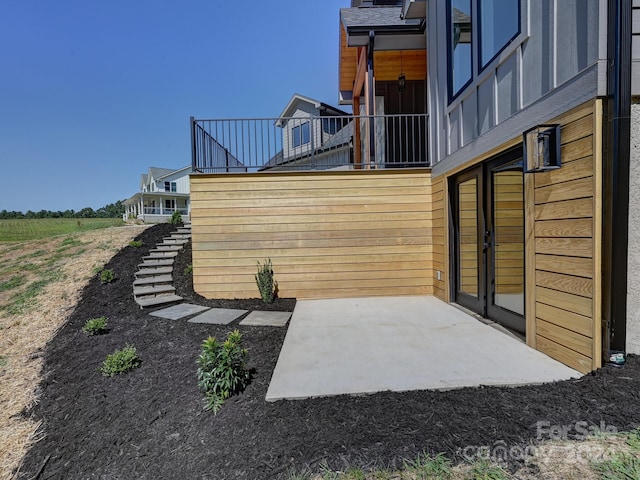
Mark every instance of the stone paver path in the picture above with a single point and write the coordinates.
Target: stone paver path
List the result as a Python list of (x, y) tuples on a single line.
[(218, 316)]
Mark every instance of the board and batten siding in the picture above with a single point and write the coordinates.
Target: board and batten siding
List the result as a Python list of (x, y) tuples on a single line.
[(328, 234), (564, 246), (635, 49)]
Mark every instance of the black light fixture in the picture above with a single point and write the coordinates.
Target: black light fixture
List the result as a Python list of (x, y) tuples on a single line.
[(402, 82), (541, 148)]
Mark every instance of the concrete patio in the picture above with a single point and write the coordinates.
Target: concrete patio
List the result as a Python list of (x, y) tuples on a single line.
[(367, 345)]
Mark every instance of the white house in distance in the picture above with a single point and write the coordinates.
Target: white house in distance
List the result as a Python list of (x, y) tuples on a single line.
[(162, 192), (315, 136)]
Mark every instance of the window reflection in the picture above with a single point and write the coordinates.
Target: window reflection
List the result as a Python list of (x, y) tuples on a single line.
[(460, 44), (499, 23)]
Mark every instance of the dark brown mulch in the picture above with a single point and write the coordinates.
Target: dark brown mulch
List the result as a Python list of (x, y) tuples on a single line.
[(150, 423)]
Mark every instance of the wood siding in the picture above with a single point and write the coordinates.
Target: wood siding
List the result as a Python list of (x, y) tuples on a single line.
[(440, 249), (566, 229), (328, 234)]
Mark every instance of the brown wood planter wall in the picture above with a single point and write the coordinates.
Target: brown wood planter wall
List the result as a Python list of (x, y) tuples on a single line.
[(328, 234)]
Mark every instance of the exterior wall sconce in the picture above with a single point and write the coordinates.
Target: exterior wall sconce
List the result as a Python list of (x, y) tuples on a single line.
[(541, 148), (402, 82)]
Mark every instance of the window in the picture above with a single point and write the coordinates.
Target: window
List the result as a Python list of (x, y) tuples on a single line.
[(499, 24), (300, 135), (460, 43), (170, 187), (331, 125)]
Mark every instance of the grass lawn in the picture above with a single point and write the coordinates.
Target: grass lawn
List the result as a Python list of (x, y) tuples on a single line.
[(20, 230)]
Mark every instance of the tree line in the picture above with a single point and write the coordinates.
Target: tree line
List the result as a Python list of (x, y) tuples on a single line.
[(112, 210)]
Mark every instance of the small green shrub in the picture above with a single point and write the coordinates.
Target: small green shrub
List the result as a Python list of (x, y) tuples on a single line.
[(136, 243), (176, 218), (95, 326), (107, 276), (222, 369), (267, 286), (3, 361), (120, 361), (189, 269)]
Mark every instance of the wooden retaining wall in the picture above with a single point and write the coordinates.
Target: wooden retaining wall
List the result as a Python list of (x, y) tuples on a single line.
[(328, 234)]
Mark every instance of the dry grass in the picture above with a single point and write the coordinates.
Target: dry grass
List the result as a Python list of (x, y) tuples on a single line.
[(49, 276)]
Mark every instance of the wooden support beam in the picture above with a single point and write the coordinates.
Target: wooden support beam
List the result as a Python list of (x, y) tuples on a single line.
[(357, 141), (361, 72)]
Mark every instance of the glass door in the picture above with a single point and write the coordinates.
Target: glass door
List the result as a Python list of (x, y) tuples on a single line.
[(488, 209), (469, 259)]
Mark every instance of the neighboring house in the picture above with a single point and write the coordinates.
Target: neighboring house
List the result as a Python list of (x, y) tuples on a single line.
[(162, 192), (315, 136), (541, 243)]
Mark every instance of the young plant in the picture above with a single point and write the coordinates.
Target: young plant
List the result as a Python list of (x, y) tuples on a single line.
[(95, 326), (135, 243), (107, 276), (176, 218), (267, 286), (222, 369), (120, 361), (189, 269)]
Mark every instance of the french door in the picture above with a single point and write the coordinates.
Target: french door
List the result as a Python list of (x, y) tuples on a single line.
[(488, 209)]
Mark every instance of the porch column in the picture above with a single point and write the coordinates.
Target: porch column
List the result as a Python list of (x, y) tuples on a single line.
[(370, 97)]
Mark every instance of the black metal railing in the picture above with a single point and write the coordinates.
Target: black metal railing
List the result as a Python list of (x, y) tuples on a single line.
[(309, 143)]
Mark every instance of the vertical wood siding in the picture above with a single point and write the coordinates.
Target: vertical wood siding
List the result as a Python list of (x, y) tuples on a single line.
[(328, 234), (566, 230)]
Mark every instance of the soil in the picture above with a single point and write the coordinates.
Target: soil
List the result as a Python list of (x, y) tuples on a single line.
[(150, 423)]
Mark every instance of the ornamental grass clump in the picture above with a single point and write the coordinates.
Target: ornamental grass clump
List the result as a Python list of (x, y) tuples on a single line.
[(267, 286), (176, 218), (222, 370), (120, 361)]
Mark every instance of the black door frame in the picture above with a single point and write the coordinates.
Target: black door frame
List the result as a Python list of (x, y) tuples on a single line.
[(484, 304)]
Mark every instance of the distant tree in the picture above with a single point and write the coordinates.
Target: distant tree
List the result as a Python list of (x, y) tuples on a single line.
[(86, 212)]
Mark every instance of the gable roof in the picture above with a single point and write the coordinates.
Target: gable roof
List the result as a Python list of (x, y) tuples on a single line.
[(156, 172), (296, 99)]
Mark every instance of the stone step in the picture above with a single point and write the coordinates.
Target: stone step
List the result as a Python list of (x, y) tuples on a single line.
[(154, 280), (159, 300), (184, 231), (153, 271), (153, 290), (156, 262), (180, 236), (161, 254), (175, 241), (167, 248)]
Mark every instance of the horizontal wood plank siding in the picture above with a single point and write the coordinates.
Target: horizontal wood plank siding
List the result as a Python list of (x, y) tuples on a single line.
[(440, 249), (566, 260), (328, 234)]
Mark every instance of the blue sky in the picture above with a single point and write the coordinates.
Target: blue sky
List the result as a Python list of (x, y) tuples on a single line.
[(93, 92)]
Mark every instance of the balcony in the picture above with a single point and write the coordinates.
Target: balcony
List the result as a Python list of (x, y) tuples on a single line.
[(309, 143)]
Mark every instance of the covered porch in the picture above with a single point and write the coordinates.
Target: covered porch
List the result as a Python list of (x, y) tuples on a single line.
[(156, 207)]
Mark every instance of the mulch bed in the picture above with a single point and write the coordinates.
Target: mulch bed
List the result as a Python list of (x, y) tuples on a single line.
[(150, 423)]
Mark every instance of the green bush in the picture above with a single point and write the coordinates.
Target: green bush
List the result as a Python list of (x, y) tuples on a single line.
[(135, 243), (95, 326), (107, 276), (120, 361), (222, 369), (189, 269), (267, 286), (176, 218)]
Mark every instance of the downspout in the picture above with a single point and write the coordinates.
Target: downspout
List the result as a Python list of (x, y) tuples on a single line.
[(616, 176)]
